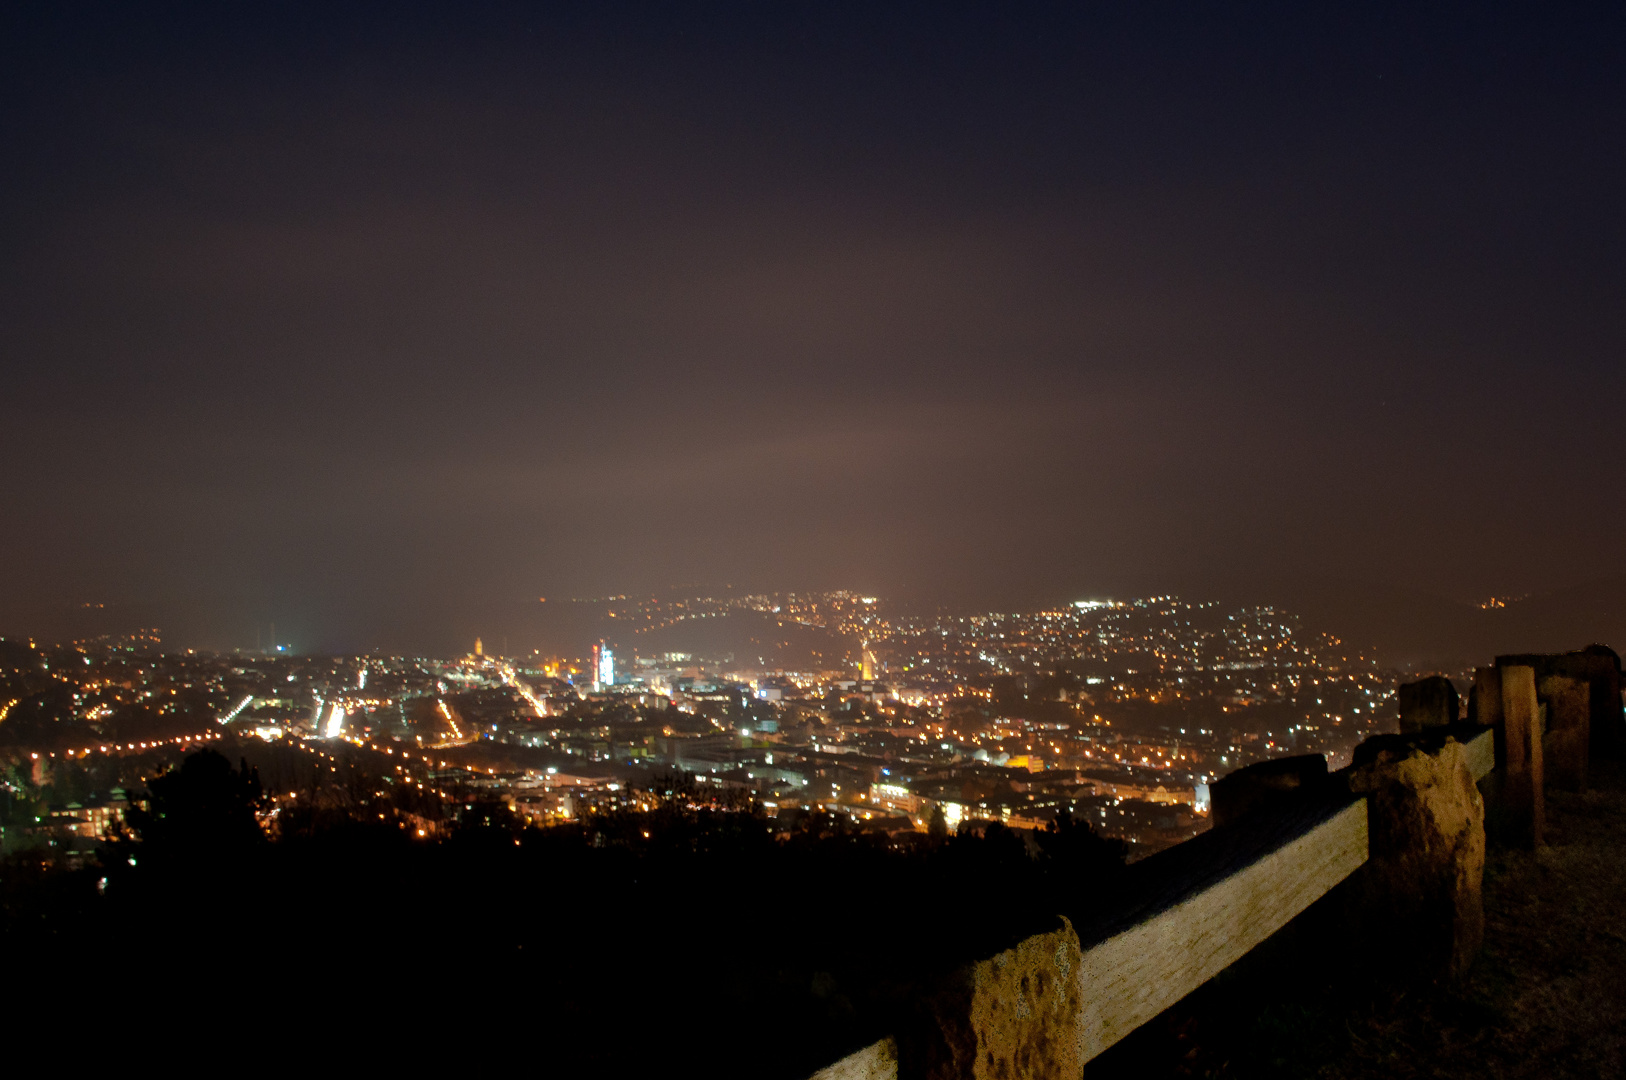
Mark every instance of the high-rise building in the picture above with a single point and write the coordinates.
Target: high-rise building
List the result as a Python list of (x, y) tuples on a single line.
[(603, 667), (479, 648)]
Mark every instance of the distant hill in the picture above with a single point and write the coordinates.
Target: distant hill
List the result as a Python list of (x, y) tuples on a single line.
[(1567, 619), (1415, 629)]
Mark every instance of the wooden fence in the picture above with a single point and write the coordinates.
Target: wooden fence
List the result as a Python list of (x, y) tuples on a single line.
[(1408, 810)]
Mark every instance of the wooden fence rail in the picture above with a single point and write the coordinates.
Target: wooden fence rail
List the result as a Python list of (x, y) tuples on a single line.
[(1054, 1001)]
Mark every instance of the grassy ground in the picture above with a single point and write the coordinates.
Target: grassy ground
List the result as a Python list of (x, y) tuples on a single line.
[(1547, 998)]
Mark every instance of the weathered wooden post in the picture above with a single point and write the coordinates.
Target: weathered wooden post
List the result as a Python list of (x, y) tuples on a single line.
[(1567, 741), (1485, 702), (1608, 719), (1504, 699), (1519, 756), (1427, 703), (1598, 667), (1421, 887)]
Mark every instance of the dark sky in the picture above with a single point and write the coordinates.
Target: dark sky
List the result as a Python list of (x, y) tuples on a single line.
[(381, 321)]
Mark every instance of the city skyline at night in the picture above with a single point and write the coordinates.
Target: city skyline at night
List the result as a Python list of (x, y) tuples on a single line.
[(815, 540)]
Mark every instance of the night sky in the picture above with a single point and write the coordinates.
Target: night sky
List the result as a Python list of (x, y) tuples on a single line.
[(382, 322)]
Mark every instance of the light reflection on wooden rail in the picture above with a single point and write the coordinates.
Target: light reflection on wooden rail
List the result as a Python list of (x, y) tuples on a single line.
[(1174, 945)]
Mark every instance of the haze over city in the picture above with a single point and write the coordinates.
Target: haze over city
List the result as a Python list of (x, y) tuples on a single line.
[(382, 323)]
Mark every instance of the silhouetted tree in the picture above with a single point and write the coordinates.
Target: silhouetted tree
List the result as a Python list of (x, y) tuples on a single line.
[(937, 828), (205, 805), (1074, 850)]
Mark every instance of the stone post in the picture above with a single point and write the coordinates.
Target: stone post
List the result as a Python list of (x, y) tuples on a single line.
[(1567, 741), (1421, 887), (1518, 750), (1015, 1014), (1426, 703), (1264, 785)]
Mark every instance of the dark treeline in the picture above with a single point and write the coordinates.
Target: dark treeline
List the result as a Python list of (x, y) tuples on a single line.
[(627, 941)]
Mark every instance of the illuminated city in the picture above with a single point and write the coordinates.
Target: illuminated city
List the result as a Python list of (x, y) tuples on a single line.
[(837, 541), (1119, 713)]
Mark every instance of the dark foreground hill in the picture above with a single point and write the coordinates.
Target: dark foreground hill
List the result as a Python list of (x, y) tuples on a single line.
[(643, 942)]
